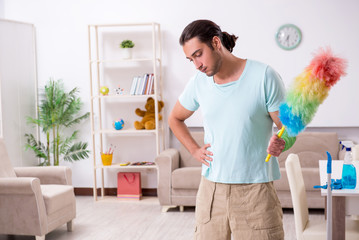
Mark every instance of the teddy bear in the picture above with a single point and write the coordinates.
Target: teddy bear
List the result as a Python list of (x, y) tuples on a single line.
[(148, 116)]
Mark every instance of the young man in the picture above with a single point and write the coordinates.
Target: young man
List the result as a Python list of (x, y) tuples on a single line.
[(239, 99)]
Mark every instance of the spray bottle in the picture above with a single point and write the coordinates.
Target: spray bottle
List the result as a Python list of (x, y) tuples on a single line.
[(342, 149), (349, 175)]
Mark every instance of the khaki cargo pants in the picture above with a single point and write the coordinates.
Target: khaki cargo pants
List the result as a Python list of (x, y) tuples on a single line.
[(243, 211)]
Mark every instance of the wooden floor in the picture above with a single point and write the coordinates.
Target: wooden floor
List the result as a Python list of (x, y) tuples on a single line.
[(113, 219)]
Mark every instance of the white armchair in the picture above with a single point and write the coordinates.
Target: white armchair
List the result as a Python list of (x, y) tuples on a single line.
[(34, 200)]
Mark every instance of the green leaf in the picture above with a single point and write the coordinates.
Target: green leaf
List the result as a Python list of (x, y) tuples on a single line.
[(39, 148), (77, 152), (77, 120), (66, 145)]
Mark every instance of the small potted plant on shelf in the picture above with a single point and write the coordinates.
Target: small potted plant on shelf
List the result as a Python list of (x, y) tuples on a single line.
[(127, 46)]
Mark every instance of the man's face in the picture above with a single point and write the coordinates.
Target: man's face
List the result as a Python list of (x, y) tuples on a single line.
[(204, 58)]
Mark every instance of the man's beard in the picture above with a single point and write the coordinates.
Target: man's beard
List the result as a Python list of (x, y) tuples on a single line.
[(216, 66)]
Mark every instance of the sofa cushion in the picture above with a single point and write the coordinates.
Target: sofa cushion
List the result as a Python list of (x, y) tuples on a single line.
[(57, 197), (312, 147), (186, 178), (186, 158), (310, 175)]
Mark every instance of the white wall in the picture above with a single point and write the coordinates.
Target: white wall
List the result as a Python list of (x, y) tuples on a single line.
[(2, 9), (63, 45), (17, 88)]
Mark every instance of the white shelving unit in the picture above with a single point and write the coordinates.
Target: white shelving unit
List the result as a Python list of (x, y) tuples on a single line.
[(106, 67)]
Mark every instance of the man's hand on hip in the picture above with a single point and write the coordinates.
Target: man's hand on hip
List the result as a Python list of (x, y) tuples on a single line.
[(203, 155)]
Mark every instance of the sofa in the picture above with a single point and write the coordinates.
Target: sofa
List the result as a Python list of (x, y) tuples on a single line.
[(34, 200), (179, 174)]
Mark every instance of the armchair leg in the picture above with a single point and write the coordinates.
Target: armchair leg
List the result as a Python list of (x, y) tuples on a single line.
[(181, 208), (40, 237), (70, 226), (166, 208)]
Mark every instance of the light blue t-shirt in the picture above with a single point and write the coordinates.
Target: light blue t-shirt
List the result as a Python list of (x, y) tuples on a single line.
[(237, 123)]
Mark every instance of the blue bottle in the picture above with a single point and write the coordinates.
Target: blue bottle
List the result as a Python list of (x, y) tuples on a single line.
[(349, 175)]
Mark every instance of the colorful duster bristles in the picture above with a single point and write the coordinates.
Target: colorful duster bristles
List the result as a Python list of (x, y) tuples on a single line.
[(309, 90)]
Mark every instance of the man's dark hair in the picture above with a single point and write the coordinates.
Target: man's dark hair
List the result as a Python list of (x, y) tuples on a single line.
[(205, 30)]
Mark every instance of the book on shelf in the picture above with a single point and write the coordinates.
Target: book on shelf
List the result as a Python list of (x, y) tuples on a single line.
[(139, 85), (149, 84), (151, 89), (142, 85), (133, 86)]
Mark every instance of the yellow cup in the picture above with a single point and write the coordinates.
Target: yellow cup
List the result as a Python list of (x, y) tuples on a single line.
[(106, 159)]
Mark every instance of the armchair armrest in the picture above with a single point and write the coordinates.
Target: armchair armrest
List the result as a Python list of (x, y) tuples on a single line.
[(47, 175), (26, 185), (22, 206), (166, 162), (169, 159)]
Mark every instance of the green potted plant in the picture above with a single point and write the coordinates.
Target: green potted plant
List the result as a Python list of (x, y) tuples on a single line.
[(58, 112), (127, 46)]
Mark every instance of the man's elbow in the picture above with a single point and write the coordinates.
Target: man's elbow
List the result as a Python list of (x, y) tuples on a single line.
[(173, 120), (169, 121)]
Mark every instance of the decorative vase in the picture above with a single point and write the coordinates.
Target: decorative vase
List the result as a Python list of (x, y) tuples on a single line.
[(127, 53)]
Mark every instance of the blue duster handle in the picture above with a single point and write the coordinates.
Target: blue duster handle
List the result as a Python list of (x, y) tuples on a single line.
[(329, 164), (329, 198)]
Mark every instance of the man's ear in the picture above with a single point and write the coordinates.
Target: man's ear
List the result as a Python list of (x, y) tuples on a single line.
[(216, 42)]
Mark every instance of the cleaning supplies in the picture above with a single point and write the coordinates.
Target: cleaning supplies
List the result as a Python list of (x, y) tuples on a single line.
[(309, 90), (349, 179), (343, 145)]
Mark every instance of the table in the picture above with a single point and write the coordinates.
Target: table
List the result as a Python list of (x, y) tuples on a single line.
[(345, 201)]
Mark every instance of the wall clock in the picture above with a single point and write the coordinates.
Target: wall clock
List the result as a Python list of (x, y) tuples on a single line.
[(288, 36)]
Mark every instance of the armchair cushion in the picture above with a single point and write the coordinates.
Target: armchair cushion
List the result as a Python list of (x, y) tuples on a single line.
[(186, 158), (186, 178), (57, 197)]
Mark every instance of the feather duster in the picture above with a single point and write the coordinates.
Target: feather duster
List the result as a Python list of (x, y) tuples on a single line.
[(309, 90)]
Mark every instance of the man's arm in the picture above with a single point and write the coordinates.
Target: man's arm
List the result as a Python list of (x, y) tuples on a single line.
[(276, 144), (275, 118), (176, 122)]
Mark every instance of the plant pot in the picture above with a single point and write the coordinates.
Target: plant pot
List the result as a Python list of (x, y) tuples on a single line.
[(127, 53)]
